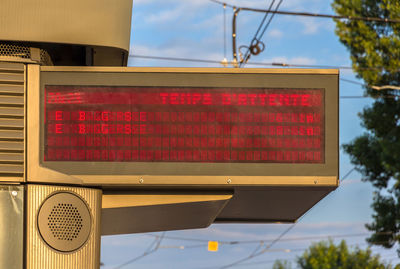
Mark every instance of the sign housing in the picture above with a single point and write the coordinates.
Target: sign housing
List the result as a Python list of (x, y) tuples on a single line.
[(270, 136)]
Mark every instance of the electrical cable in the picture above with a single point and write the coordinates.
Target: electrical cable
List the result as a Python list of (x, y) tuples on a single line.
[(222, 3), (149, 250), (255, 254), (269, 64), (348, 173), (255, 40), (258, 39), (285, 65), (196, 60), (270, 19), (263, 20), (352, 81), (307, 14), (288, 250), (205, 241)]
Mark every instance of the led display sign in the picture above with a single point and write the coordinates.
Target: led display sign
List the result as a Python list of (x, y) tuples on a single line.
[(269, 138), (184, 124)]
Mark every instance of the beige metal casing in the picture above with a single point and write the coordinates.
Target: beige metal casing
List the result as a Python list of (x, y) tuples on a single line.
[(12, 122), (40, 255), (11, 226), (144, 211), (184, 174), (258, 188), (101, 23)]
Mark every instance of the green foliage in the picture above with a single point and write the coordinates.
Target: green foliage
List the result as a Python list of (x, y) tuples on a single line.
[(371, 44), (282, 264), (329, 256), (375, 52)]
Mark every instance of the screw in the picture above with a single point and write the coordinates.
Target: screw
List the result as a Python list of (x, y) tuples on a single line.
[(14, 193), (315, 181), (229, 181), (141, 180)]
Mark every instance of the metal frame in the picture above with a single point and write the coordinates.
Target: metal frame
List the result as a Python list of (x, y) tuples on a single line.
[(181, 174)]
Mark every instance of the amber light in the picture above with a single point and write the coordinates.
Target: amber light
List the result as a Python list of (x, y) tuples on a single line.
[(172, 124)]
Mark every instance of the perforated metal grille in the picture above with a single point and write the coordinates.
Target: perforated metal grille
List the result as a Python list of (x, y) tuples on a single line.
[(65, 222), (15, 51), (9, 51)]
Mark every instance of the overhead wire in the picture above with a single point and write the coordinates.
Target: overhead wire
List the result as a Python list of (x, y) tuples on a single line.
[(153, 247), (257, 39), (288, 250), (270, 19), (269, 64), (348, 173), (222, 3), (258, 252), (204, 241), (308, 14), (236, 9), (197, 60), (352, 81)]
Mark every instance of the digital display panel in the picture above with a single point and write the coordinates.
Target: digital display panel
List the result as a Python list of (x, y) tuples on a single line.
[(184, 124)]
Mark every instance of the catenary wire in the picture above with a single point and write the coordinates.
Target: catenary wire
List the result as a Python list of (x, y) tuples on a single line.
[(288, 250), (151, 249), (266, 64), (270, 19), (255, 254), (256, 38), (352, 81), (348, 173), (196, 60), (307, 14), (273, 12), (204, 241), (245, 59), (263, 20)]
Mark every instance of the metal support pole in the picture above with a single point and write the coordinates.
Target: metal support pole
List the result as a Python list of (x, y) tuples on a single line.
[(11, 226)]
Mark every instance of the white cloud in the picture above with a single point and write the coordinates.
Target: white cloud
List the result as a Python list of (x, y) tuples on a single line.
[(311, 26), (179, 49), (173, 10), (302, 60), (165, 15), (275, 33)]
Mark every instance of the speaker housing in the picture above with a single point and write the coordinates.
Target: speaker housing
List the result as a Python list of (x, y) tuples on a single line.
[(63, 227)]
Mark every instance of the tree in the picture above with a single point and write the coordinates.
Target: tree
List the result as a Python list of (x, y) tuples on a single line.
[(375, 53), (329, 256)]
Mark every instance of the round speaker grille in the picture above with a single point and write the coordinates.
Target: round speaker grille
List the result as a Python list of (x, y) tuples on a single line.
[(64, 221)]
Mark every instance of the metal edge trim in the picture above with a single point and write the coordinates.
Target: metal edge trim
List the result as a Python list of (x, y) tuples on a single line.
[(190, 70)]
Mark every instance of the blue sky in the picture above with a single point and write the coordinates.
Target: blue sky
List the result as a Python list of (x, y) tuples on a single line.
[(194, 29)]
